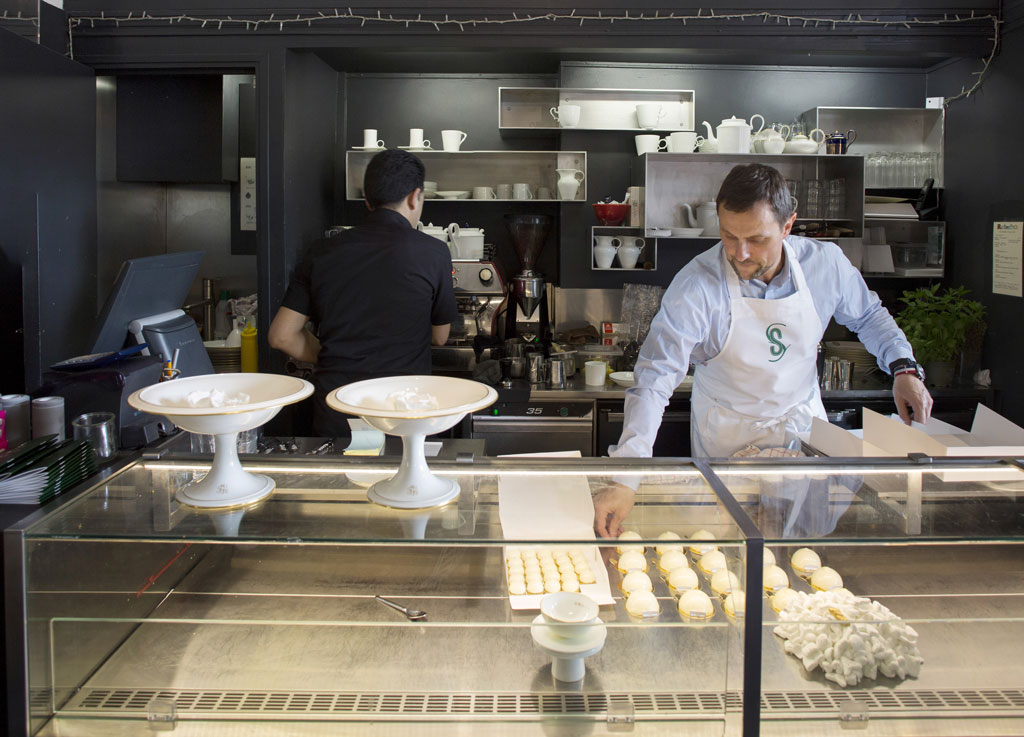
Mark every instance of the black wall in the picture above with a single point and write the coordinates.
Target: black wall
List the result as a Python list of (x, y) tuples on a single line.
[(984, 162), (47, 209)]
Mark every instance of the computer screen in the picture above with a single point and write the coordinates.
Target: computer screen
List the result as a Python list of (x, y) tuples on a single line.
[(144, 286)]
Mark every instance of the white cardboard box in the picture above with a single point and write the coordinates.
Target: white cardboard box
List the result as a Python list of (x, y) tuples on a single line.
[(991, 435)]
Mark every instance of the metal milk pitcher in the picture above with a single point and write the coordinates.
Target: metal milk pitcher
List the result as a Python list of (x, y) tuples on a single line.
[(837, 143)]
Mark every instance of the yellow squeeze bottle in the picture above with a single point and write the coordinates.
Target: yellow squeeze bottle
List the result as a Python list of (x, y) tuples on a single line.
[(250, 351)]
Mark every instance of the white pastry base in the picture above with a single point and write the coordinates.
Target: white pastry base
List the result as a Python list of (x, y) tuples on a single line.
[(567, 662), (226, 484)]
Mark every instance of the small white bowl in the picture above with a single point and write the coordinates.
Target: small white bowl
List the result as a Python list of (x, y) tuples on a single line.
[(569, 615), (453, 194), (686, 232), (623, 378)]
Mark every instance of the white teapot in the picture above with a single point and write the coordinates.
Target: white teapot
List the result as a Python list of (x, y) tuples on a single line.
[(801, 144), (466, 243), (705, 218), (733, 135), (433, 230)]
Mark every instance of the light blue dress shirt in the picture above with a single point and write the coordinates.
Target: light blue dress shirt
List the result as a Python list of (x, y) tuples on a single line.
[(693, 324)]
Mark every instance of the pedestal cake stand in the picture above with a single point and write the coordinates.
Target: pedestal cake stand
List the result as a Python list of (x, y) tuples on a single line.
[(374, 400), (227, 484)]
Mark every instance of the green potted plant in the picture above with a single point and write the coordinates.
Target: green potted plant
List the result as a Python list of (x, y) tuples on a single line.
[(938, 323)]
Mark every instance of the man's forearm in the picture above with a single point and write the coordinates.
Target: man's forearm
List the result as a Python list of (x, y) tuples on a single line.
[(302, 346)]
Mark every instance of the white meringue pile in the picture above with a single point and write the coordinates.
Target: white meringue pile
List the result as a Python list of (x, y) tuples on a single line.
[(412, 399), (212, 398), (866, 638)]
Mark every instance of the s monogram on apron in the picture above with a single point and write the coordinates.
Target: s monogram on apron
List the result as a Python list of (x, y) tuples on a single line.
[(762, 388)]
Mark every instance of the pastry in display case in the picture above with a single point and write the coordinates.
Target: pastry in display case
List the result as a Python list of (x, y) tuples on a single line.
[(904, 609)]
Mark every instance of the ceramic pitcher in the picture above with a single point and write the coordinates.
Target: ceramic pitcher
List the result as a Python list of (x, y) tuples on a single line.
[(569, 181), (604, 251)]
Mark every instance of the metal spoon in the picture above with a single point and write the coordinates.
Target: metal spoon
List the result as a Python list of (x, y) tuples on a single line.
[(414, 615)]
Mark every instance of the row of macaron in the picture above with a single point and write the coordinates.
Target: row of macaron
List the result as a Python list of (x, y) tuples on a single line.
[(539, 571)]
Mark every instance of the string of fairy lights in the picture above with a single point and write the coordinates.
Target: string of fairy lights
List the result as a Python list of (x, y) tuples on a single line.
[(446, 21)]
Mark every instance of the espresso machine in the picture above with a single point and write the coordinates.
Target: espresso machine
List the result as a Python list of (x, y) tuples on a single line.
[(479, 292), (527, 288)]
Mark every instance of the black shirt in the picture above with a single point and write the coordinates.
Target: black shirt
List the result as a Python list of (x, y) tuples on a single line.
[(374, 291)]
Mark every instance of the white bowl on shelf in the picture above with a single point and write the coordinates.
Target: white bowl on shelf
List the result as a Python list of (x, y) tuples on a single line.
[(413, 486), (227, 484), (623, 378), (686, 232), (453, 194)]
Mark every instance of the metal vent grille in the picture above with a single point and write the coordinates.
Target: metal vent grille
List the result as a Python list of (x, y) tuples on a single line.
[(427, 705), (695, 704)]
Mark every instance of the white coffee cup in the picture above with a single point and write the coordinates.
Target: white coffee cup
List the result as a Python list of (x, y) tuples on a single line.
[(452, 139), (649, 114), (543, 193), (682, 142), (648, 143), (416, 139), (568, 116), (370, 139), (521, 191), (484, 193), (595, 372), (504, 191)]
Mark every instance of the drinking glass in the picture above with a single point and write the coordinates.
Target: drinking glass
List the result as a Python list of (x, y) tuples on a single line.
[(99, 430), (814, 199), (836, 207)]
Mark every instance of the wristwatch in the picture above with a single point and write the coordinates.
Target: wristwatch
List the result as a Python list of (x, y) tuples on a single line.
[(906, 366)]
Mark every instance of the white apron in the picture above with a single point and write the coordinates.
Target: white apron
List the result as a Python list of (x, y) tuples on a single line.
[(762, 388)]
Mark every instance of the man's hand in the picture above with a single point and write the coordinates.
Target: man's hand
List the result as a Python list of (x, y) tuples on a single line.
[(910, 394), (611, 506)]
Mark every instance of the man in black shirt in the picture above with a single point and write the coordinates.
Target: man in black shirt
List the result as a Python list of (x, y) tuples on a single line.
[(380, 293)]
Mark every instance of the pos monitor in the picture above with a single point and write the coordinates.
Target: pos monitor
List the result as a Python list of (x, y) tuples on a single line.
[(148, 287)]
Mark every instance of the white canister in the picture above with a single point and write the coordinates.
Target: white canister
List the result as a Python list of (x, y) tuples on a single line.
[(595, 372), (17, 408), (48, 417)]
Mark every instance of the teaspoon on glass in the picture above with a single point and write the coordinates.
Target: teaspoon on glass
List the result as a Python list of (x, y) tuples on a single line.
[(414, 615)]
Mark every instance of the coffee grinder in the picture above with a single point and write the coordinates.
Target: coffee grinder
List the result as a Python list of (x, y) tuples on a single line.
[(527, 289)]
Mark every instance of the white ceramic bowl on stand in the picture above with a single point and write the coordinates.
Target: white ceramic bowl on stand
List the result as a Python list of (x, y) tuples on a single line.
[(227, 484), (414, 486)]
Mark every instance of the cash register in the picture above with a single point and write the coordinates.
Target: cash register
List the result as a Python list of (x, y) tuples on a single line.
[(138, 331)]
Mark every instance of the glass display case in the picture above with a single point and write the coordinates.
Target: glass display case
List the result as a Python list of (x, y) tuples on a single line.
[(930, 638), (906, 611), (140, 611)]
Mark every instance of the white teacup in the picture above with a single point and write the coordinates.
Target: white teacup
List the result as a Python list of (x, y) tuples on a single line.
[(504, 191), (370, 139), (416, 139), (682, 142), (568, 116), (521, 191), (649, 114), (648, 143), (484, 193), (452, 139)]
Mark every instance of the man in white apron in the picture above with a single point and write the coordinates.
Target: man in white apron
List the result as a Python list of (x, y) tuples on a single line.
[(749, 313)]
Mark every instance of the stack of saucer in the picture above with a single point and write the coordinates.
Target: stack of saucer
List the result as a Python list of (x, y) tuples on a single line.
[(225, 360)]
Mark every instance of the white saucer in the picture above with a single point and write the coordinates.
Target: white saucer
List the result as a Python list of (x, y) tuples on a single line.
[(622, 378), (588, 644), (369, 148), (417, 148)]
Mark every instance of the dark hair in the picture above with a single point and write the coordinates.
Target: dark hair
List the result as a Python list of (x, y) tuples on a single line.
[(747, 185), (390, 176)]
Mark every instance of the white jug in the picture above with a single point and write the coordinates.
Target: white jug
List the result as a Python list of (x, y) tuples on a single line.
[(629, 252), (569, 181), (706, 218), (466, 243), (604, 251), (433, 230)]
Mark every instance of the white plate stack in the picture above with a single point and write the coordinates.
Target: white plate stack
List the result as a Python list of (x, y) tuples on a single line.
[(225, 360)]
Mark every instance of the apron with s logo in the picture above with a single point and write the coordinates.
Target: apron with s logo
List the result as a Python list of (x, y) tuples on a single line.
[(762, 387)]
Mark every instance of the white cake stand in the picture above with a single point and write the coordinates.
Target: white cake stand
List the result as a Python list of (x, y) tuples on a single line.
[(226, 484), (414, 486)]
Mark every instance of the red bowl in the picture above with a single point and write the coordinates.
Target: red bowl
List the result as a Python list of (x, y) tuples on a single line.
[(610, 214)]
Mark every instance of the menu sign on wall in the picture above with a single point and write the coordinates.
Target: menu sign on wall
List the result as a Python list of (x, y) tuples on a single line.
[(1006, 257)]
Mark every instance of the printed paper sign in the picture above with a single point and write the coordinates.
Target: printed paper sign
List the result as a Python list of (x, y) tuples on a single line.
[(1006, 257)]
